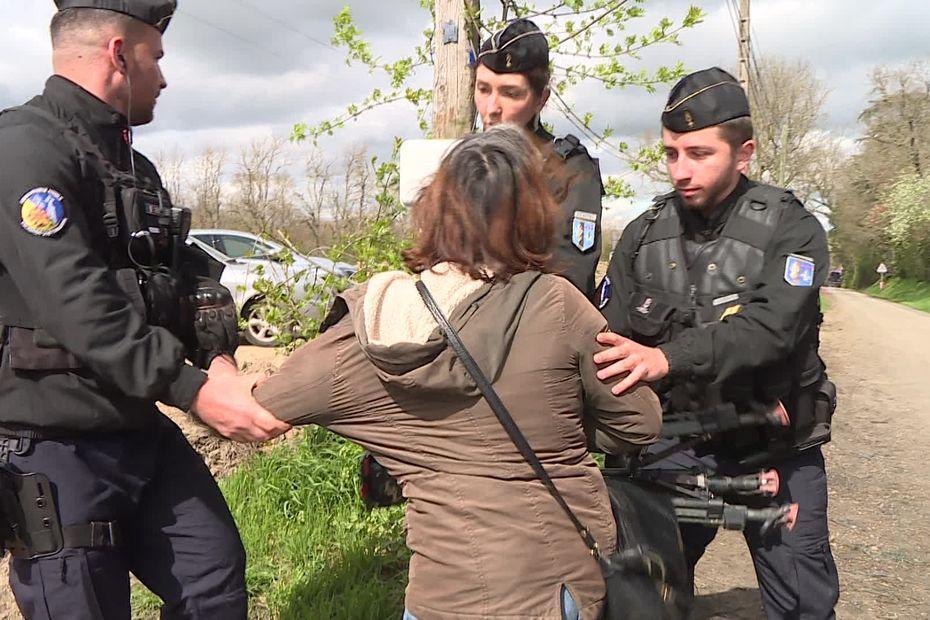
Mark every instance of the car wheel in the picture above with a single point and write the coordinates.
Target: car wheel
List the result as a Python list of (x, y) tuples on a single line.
[(258, 331)]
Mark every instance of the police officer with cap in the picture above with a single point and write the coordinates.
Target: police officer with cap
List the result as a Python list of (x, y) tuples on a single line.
[(101, 301), (713, 295), (512, 86)]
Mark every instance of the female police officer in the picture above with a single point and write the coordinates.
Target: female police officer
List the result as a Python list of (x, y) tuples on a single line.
[(512, 86)]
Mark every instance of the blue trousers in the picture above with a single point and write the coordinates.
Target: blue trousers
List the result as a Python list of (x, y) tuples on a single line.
[(179, 538), (795, 568)]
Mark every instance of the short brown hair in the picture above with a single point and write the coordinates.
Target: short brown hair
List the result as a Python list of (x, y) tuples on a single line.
[(488, 210), (69, 24), (736, 131), (538, 78)]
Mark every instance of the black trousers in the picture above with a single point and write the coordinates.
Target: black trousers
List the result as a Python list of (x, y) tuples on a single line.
[(795, 568), (179, 537)]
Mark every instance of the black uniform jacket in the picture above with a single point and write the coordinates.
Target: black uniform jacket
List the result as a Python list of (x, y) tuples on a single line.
[(772, 321), (575, 179), (67, 282)]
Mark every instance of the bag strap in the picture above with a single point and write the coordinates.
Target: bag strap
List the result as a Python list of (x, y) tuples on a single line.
[(503, 415)]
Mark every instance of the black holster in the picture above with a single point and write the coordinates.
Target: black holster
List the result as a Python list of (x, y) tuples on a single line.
[(30, 527)]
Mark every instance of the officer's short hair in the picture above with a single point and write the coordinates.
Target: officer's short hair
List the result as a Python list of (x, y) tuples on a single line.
[(538, 78), (488, 209), (736, 131), (68, 22)]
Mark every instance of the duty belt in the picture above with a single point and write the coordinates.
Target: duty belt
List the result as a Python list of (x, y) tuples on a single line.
[(30, 526)]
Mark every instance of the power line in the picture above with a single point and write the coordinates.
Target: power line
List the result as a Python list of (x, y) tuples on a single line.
[(284, 24), (232, 34)]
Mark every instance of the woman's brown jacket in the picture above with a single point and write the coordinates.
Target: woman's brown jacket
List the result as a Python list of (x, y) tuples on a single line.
[(488, 541)]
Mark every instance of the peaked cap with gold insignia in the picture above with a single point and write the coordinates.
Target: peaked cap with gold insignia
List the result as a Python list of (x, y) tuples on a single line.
[(704, 99), (518, 47)]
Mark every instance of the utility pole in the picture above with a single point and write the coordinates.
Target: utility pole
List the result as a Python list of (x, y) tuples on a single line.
[(455, 42), (744, 44)]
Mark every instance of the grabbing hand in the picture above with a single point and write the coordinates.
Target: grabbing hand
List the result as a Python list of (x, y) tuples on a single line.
[(641, 362), (225, 403)]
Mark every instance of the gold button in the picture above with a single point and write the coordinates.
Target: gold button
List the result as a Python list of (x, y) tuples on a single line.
[(741, 280), (672, 264), (712, 267)]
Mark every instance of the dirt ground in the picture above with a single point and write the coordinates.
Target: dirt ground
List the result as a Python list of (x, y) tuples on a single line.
[(878, 353)]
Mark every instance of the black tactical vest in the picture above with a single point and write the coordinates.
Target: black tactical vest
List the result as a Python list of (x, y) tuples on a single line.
[(672, 295), (141, 227)]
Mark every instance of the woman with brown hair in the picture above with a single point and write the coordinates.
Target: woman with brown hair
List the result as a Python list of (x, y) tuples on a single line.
[(487, 539)]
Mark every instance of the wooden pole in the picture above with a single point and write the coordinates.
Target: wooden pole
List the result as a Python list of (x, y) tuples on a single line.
[(454, 40), (744, 44)]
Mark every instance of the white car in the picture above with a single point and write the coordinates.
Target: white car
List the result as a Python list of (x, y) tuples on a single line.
[(248, 258)]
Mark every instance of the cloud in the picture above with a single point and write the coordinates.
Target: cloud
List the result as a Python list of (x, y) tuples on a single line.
[(241, 69)]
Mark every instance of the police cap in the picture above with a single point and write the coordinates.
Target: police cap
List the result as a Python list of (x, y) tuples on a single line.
[(704, 99), (155, 13), (518, 47)]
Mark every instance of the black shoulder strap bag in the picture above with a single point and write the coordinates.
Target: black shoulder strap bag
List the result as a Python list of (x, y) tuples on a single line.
[(644, 580)]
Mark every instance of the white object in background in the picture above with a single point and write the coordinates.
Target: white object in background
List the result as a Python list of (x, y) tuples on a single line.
[(419, 161)]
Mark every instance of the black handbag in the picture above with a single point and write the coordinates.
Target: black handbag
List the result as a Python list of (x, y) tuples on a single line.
[(646, 577)]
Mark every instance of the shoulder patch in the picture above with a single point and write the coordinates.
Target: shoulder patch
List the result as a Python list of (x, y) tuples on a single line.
[(799, 270), (42, 212), (584, 230)]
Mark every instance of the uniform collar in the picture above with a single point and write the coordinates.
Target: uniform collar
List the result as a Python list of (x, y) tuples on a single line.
[(106, 126), (74, 101), (540, 132), (695, 221)]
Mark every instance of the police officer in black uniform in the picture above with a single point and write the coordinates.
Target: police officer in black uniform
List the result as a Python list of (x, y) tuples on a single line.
[(512, 86), (714, 297), (100, 303)]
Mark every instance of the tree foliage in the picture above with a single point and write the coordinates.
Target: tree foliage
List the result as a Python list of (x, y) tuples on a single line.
[(787, 102), (591, 42), (881, 183), (908, 216)]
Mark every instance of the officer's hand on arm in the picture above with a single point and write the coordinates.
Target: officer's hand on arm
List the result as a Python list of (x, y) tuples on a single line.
[(641, 362), (225, 403)]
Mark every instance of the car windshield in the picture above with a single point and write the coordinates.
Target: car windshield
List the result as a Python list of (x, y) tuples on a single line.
[(243, 247)]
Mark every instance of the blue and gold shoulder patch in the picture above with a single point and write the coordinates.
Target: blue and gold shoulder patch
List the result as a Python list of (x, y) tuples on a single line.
[(799, 270), (584, 230), (42, 212)]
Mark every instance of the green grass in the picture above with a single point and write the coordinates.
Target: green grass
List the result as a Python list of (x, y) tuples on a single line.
[(911, 293), (313, 550)]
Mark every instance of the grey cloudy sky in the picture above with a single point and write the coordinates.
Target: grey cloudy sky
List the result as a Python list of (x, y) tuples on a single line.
[(244, 69)]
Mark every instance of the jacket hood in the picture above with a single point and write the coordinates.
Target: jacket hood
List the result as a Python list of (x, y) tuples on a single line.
[(405, 344)]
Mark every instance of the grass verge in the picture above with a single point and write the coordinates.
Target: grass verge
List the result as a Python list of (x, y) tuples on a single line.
[(913, 293), (313, 550)]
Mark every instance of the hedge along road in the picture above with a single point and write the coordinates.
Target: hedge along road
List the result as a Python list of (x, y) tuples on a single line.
[(878, 463)]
